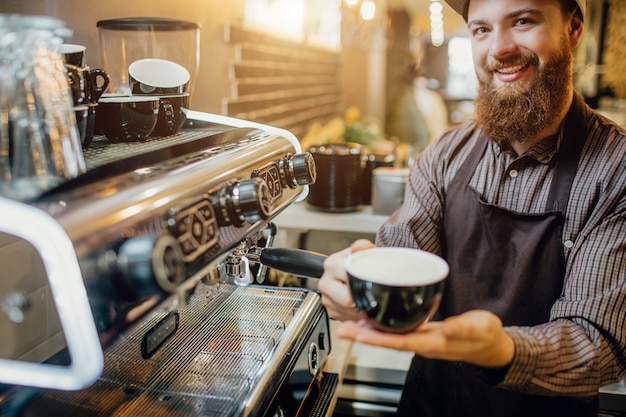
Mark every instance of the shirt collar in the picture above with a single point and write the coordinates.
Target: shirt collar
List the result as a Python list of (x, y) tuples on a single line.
[(543, 151)]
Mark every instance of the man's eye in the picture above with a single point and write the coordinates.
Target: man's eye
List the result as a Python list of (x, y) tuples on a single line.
[(480, 31), (524, 22)]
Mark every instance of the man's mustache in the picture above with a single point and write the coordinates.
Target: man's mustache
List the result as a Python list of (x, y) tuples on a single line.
[(520, 60)]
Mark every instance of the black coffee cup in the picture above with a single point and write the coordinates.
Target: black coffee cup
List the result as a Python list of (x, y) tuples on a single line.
[(172, 114), (396, 289), (127, 118), (73, 54), (86, 84)]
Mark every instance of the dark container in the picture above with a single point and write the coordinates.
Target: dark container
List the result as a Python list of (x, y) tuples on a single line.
[(339, 168)]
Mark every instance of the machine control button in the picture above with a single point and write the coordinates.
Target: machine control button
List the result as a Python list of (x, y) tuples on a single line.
[(151, 265), (303, 168), (321, 340), (242, 201), (298, 169), (255, 200), (168, 264)]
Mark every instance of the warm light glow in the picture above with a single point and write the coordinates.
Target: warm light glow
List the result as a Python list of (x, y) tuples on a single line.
[(436, 7), (284, 17), (352, 3), (436, 39), (437, 36), (368, 10), (436, 25)]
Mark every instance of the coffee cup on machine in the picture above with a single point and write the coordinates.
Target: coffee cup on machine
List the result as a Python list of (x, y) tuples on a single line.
[(127, 118), (85, 122), (86, 84), (73, 54), (172, 114), (157, 77)]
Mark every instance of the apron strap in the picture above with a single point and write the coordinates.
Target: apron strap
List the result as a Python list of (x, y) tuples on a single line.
[(571, 145)]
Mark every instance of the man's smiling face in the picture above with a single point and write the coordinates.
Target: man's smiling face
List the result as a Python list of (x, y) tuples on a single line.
[(522, 56)]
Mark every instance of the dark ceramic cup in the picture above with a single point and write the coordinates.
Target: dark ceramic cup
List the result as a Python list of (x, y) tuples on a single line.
[(73, 54), (127, 118), (172, 114), (396, 289), (85, 122), (86, 84)]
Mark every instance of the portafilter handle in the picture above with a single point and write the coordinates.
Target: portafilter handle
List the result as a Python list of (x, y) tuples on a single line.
[(298, 262)]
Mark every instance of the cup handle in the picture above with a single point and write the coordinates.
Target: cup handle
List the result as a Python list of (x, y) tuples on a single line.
[(169, 118), (99, 80)]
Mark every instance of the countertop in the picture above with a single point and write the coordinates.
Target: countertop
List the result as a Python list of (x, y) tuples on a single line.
[(302, 216)]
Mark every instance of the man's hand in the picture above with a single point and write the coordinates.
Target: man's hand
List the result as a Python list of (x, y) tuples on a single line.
[(334, 287), (475, 337)]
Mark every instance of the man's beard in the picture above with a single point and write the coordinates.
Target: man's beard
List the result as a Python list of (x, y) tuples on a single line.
[(520, 112)]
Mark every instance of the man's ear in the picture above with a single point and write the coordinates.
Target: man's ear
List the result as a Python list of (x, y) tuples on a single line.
[(576, 27)]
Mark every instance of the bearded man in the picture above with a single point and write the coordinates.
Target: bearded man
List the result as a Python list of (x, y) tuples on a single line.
[(527, 204)]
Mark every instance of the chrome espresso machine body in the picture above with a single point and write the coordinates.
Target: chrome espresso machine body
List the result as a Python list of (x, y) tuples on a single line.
[(125, 293)]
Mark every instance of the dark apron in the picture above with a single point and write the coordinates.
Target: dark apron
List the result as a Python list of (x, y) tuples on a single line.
[(511, 264)]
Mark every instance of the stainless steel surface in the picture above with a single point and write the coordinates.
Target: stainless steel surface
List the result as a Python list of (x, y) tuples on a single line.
[(373, 383), (98, 213), (231, 350)]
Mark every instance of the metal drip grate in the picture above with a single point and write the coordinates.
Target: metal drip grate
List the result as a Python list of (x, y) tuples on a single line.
[(101, 151), (226, 337)]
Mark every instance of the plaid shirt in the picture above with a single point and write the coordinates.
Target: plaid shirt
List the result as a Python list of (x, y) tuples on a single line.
[(582, 347)]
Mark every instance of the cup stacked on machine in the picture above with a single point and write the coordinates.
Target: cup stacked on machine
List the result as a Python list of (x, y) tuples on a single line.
[(167, 80), (87, 86), (156, 107)]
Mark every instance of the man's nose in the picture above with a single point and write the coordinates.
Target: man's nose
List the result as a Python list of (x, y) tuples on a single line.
[(502, 44)]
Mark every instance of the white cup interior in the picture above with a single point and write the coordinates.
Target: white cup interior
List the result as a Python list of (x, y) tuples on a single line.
[(398, 267), (128, 99), (159, 73), (70, 48)]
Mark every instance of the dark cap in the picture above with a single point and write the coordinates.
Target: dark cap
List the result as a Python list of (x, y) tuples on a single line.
[(461, 6)]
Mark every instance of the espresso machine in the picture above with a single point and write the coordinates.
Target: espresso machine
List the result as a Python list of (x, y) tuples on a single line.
[(133, 280), (131, 289)]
